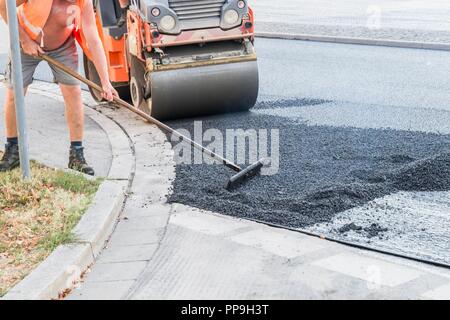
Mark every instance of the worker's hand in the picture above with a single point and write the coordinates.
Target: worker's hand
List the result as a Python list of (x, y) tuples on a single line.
[(29, 46), (109, 92)]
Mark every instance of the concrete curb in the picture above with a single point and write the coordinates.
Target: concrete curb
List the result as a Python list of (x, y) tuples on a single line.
[(360, 41), (65, 266)]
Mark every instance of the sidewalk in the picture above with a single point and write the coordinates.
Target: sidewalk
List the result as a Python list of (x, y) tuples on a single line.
[(48, 134), (419, 21)]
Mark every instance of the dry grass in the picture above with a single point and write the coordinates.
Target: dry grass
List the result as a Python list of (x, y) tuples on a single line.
[(37, 216)]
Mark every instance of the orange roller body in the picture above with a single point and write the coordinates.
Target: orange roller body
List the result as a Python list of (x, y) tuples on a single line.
[(177, 59)]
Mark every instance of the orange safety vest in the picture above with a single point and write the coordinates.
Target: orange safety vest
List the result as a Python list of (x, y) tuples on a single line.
[(33, 15)]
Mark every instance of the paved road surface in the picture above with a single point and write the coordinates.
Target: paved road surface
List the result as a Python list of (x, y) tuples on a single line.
[(382, 19), (359, 74), (422, 14)]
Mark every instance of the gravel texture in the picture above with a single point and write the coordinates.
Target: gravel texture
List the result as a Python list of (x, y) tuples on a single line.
[(323, 170)]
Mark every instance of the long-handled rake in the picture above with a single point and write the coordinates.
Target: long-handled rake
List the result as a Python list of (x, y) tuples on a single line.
[(233, 182)]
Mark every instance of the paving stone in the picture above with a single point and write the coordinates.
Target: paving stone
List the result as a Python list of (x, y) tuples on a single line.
[(328, 285), (151, 192), (440, 293), (122, 167), (144, 222), (166, 171), (372, 270), (411, 290), (132, 237), (284, 244), (141, 205), (147, 224), (118, 253), (204, 223), (113, 290), (121, 271), (152, 155), (143, 179), (156, 194)]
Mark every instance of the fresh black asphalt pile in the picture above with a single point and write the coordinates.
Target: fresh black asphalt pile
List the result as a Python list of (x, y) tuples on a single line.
[(323, 170)]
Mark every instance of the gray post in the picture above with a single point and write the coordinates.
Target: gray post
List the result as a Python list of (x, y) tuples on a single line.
[(17, 82)]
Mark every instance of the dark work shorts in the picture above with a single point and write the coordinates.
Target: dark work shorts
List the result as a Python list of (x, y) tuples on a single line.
[(67, 54)]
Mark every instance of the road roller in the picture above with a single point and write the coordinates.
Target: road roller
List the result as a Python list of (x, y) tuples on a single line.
[(179, 58)]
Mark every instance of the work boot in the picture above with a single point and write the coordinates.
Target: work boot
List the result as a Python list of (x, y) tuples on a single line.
[(10, 159), (77, 161), (123, 18)]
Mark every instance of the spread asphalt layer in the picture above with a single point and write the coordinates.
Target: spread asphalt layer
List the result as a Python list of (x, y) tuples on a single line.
[(365, 158), (323, 171)]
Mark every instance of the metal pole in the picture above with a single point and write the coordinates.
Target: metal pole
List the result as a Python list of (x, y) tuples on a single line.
[(17, 82)]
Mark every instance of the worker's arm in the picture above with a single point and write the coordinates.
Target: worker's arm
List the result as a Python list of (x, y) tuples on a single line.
[(29, 46), (96, 48)]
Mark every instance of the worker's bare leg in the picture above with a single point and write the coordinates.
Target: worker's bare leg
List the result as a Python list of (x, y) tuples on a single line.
[(10, 114), (75, 120), (10, 159), (74, 111)]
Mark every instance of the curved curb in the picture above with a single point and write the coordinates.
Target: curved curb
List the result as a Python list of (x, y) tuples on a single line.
[(360, 41), (67, 263), (144, 218)]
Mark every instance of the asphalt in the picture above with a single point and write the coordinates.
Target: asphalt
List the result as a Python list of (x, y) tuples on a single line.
[(421, 20), (366, 75), (357, 124), (323, 171)]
